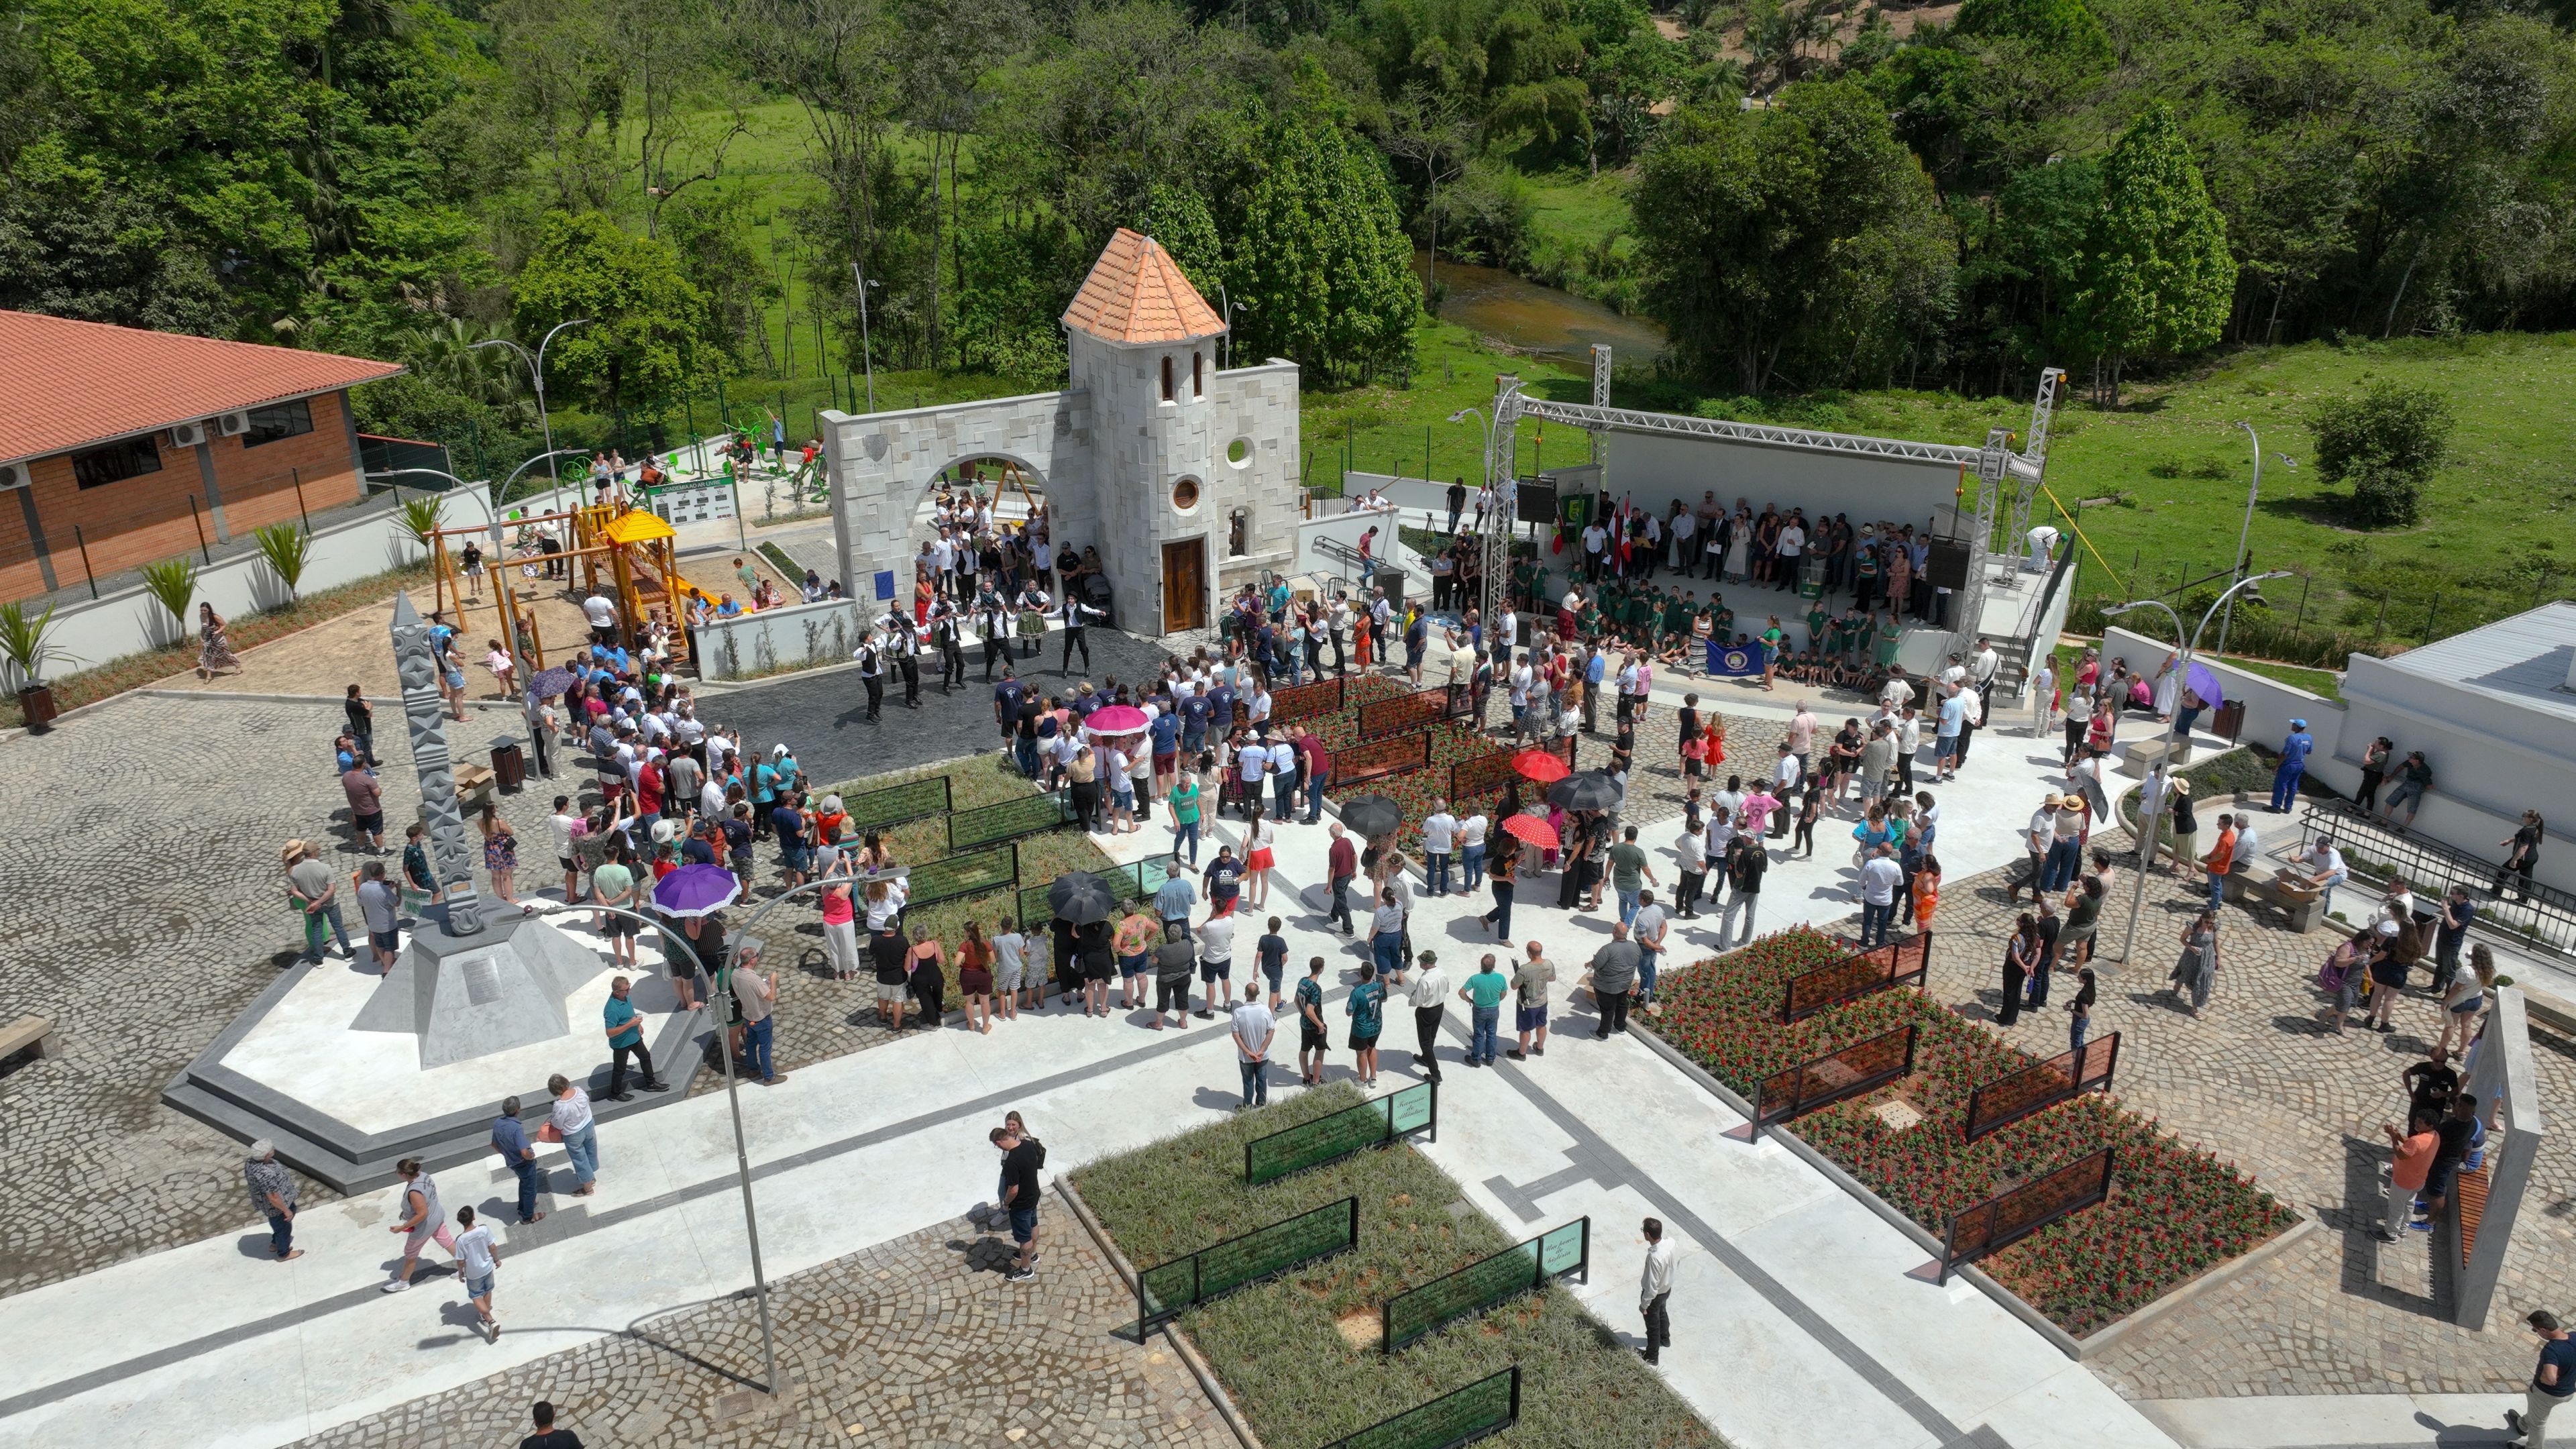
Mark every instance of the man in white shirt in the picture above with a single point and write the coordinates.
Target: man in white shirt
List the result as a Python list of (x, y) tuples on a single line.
[(1896, 694), (1428, 990), (1785, 777), (1685, 528), (1982, 667), (1690, 854), (1655, 1291), (1595, 539), (1792, 540), (1471, 853), (1439, 843), (1253, 1028), (1522, 678), (2036, 838), (2043, 698), (602, 615), (1880, 879), (1252, 767)]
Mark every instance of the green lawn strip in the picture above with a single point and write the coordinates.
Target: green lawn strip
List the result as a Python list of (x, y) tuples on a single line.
[(246, 630), (1276, 1345)]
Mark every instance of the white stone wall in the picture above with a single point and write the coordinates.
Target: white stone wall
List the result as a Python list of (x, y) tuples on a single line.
[(1109, 452), (882, 465)]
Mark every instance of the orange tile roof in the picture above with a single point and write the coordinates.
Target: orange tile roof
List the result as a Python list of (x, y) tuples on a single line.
[(69, 384), (1136, 293)]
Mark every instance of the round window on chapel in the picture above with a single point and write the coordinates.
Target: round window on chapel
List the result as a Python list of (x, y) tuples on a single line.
[(1185, 494)]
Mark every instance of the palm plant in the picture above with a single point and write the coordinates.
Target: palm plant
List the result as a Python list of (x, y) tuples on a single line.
[(173, 582), (287, 549), (420, 518), (25, 645)]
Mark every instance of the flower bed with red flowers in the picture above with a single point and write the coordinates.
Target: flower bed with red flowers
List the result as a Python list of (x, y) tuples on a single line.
[(1451, 741), (2175, 1210)]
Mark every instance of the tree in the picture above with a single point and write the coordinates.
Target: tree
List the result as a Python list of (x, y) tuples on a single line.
[(1804, 235), (2386, 442), (1321, 254), (649, 326), (2155, 278)]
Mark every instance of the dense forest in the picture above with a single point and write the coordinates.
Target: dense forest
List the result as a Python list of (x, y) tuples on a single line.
[(1818, 193)]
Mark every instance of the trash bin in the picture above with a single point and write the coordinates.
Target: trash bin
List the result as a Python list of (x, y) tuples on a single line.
[(2229, 722), (509, 765)]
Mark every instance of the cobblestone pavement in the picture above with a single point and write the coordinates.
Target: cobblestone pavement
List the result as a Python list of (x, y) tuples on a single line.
[(146, 910), (2256, 1079), (915, 1343)]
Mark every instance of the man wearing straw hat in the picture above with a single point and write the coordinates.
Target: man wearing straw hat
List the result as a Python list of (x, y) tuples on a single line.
[(315, 894)]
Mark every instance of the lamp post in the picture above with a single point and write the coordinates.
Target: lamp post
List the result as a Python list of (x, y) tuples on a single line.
[(867, 354), (2244, 535), (1231, 307), (2147, 819), (733, 1101), (537, 373)]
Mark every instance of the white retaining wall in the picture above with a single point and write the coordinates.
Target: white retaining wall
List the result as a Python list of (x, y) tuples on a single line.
[(130, 621), (795, 636)]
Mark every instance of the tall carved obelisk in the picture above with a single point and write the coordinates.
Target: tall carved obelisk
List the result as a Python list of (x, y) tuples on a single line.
[(464, 986), (425, 715)]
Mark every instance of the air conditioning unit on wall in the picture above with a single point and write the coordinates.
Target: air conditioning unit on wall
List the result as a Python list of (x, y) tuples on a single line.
[(232, 425), (186, 435), (15, 475)]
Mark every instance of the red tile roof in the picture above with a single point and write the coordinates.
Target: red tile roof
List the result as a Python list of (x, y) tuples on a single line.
[(69, 384), (1136, 293)]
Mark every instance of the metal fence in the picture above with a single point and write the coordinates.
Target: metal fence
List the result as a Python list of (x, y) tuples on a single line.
[(1521, 1268), (1165, 1289), (1009, 820), (2009, 1217), (897, 804), (2530, 914), (2042, 1085), (1485, 1407), (1786, 1095), (1137, 881), (969, 874), (1400, 1113), (1879, 968)]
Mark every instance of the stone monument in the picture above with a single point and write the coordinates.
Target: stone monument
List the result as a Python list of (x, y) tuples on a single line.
[(470, 982)]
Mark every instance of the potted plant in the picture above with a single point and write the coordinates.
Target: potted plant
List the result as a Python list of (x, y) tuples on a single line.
[(26, 646)]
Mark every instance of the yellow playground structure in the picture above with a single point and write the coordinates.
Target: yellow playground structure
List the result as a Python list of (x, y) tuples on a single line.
[(626, 554)]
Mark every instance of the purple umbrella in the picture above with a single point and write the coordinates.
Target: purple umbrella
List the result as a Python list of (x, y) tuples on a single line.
[(2205, 684), (695, 890), (547, 683)]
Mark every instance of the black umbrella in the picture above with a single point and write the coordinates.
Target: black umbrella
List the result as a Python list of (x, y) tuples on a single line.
[(1590, 790), (1371, 816), (1080, 897)]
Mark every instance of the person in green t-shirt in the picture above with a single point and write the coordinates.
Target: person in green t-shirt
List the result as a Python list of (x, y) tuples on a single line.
[(1484, 994), (1721, 619), (1638, 615), (612, 883), (1890, 635), (1629, 873), (1185, 815), (1816, 617)]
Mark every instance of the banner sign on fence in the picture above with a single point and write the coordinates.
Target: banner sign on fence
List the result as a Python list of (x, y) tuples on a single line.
[(1026, 815), (1898, 963), (1380, 758), (1785, 1095), (1136, 881), (1413, 711), (1164, 1290), (970, 874), (2009, 1217), (1487, 1406), (1399, 1113), (2042, 1085), (1305, 701), (1515, 1270), (1734, 661), (897, 804)]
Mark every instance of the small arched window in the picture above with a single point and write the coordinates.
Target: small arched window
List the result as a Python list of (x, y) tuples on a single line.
[(1167, 379), (1198, 374)]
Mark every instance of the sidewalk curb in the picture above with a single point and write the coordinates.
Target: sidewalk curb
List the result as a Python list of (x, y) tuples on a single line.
[(1171, 1332)]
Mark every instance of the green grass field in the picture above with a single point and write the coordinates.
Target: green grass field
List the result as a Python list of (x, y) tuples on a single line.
[(1280, 1347)]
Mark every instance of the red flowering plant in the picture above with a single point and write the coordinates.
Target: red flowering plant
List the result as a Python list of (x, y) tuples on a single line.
[(1413, 790), (2174, 1212)]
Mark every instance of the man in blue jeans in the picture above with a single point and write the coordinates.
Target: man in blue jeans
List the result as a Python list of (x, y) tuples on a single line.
[(2294, 763), (1253, 1028), (1021, 1159), (1484, 993), (1880, 877), (755, 992), (519, 1155)]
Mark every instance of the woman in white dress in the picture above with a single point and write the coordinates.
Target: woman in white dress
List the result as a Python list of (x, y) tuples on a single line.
[(1738, 546)]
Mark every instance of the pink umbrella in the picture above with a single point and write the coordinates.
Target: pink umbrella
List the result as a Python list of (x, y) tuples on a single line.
[(1115, 719)]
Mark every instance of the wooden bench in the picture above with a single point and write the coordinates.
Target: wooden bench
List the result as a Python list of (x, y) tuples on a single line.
[(29, 1033)]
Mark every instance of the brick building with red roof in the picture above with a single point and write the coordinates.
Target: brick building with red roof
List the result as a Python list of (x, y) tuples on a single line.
[(125, 443)]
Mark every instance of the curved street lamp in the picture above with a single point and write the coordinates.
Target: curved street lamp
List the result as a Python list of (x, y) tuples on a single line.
[(2147, 819), (664, 930), (537, 372)]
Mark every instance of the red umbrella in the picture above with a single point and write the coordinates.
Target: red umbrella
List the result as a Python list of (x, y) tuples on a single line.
[(1543, 766), (1531, 830)]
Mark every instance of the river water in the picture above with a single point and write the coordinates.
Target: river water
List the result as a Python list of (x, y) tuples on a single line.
[(1521, 314)]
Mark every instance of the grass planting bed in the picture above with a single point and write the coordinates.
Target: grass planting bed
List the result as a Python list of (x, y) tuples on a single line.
[(2175, 1210), (1282, 1348)]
